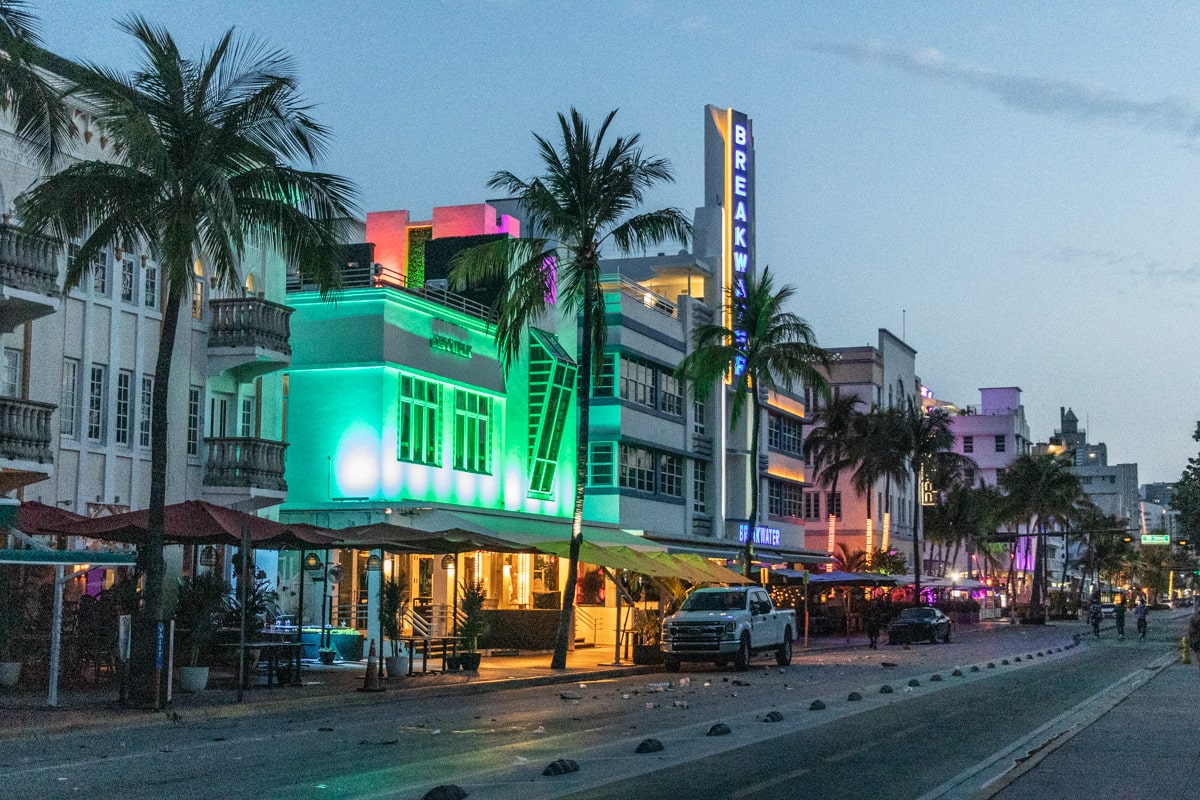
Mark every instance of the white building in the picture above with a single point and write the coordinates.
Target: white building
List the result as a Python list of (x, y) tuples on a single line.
[(993, 433)]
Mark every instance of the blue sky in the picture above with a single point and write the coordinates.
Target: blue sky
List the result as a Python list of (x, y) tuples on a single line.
[(1011, 185)]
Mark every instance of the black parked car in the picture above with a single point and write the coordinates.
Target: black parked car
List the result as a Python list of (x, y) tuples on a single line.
[(918, 625)]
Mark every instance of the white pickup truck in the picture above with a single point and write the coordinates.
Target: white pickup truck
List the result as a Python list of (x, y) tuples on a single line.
[(727, 624)]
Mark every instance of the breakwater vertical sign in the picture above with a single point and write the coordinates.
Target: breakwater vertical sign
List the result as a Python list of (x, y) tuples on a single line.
[(729, 181)]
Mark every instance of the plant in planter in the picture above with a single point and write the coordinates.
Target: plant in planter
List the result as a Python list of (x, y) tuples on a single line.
[(200, 602), (473, 625), (262, 603), (647, 628), (12, 620), (391, 605), (327, 654)]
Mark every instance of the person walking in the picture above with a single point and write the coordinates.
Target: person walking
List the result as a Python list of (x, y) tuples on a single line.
[(1140, 613), (874, 622), (1095, 614), (1119, 616), (1193, 634)]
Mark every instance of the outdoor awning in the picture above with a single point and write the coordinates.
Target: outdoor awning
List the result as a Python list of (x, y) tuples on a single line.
[(458, 538), (840, 578)]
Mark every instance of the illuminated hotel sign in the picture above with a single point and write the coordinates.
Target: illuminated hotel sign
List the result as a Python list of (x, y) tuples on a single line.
[(739, 217), (440, 341), (763, 536)]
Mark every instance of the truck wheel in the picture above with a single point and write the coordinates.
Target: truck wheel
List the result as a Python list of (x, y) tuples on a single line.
[(933, 635), (783, 656), (946, 638), (671, 664), (741, 662)]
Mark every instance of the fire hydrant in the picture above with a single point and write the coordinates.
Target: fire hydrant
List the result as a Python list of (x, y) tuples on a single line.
[(1187, 651)]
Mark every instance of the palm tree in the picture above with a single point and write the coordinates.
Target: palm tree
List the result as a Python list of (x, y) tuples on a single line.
[(930, 437), (880, 451), (206, 144), (1041, 493), (36, 106), (847, 560), (828, 447), (585, 199), (779, 350)]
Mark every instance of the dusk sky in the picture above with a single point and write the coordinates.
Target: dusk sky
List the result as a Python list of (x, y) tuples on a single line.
[(1013, 187)]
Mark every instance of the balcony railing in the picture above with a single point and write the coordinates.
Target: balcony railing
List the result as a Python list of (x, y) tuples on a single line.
[(245, 461), (250, 322), (436, 291), (25, 430), (651, 300), (28, 261)]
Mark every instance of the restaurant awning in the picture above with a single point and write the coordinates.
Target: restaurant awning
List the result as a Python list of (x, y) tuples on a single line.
[(70, 558)]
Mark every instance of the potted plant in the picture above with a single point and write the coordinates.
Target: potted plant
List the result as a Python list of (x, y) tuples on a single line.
[(200, 602), (472, 626), (391, 605), (12, 620), (327, 654), (262, 603), (647, 628)]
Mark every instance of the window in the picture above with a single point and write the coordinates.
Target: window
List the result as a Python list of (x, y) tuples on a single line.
[(96, 403), (1000, 444), (670, 475), (193, 425), (472, 432), (672, 398), (784, 499), (150, 286), (812, 505), (100, 274), (127, 280), (124, 402), (699, 425), (833, 504), (636, 468), (784, 434), (552, 374), (10, 380), (198, 299), (604, 382), (700, 487), (968, 444), (637, 383), (420, 440), (246, 418), (1085, 480), (72, 252), (602, 464), (147, 407), (68, 407)]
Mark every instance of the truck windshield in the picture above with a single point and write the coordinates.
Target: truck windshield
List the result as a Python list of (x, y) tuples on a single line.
[(715, 601)]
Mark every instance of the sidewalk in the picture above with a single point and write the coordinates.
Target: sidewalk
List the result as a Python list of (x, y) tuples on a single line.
[(95, 704), (1144, 747)]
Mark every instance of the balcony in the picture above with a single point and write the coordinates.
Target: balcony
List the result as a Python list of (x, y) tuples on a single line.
[(25, 439), (28, 277), (245, 471), (249, 337)]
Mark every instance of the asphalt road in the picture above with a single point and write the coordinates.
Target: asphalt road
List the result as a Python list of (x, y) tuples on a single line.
[(899, 745)]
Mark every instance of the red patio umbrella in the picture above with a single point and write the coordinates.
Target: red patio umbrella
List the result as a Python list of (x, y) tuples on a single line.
[(197, 522), (38, 519)]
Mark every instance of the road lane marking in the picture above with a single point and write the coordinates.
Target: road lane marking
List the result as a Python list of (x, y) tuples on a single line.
[(755, 788)]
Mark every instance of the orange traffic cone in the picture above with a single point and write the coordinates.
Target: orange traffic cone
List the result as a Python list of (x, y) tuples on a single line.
[(371, 679)]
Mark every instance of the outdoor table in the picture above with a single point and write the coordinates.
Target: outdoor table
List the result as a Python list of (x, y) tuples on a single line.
[(447, 645), (274, 650)]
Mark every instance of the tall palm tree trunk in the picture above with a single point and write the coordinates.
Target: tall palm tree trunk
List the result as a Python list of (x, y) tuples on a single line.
[(567, 616), (144, 669), (755, 430), (916, 540), (832, 518)]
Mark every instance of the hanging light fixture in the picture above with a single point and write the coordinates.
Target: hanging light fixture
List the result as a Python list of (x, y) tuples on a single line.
[(313, 562), (447, 561), (374, 563), (208, 556)]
